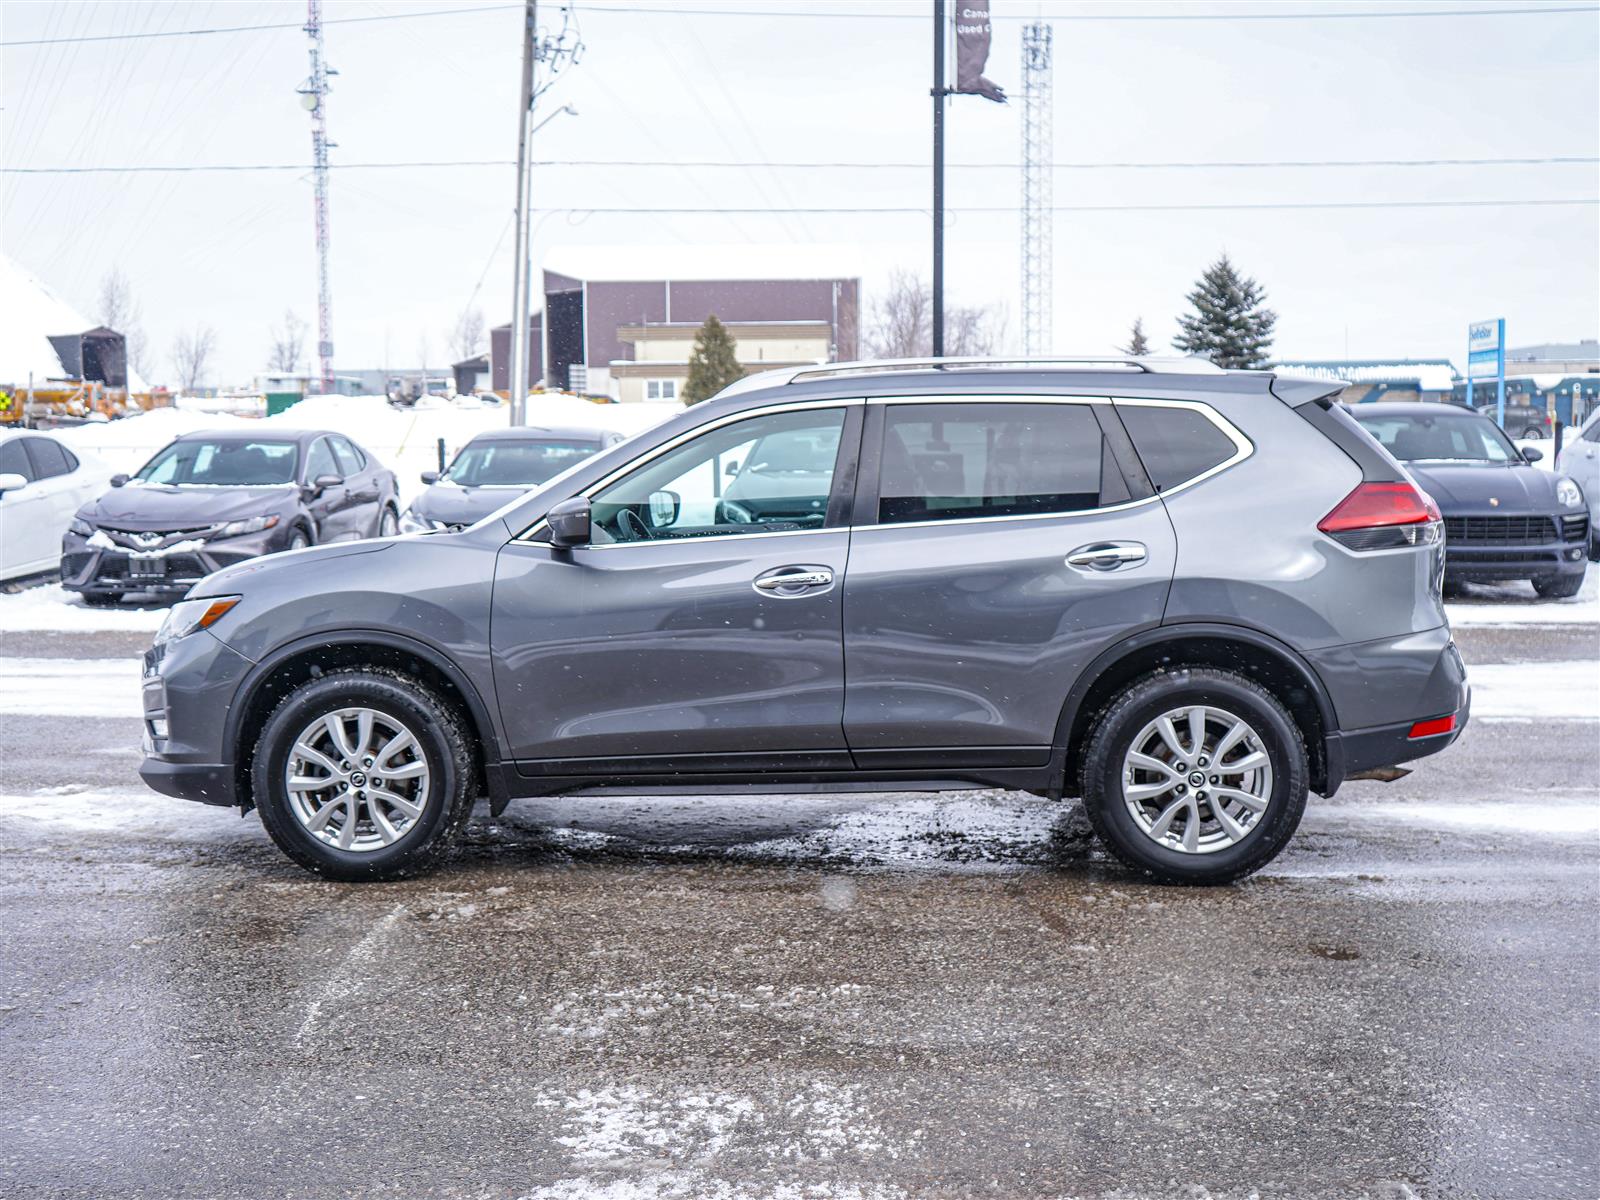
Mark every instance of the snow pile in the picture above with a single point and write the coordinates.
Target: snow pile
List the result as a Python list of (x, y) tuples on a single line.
[(51, 608)]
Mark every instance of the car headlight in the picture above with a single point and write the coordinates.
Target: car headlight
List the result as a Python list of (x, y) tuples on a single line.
[(187, 616), (1567, 494), (410, 522), (248, 525), (80, 527)]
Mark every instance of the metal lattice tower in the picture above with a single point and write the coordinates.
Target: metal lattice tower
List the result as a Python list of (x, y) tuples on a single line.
[(1038, 158), (315, 94)]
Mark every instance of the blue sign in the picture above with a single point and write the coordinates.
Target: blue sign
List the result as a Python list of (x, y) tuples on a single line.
[(1486, 358)]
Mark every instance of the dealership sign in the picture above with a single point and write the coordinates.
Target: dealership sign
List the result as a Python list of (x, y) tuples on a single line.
[(1486, 359), (973, 33)]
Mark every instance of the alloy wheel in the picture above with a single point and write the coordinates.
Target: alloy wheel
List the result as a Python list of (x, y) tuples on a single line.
[(357, 779), (1197, 779)]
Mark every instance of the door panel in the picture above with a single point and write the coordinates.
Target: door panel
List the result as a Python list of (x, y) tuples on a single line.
[(965, 624), (972, 634), (668, 648)]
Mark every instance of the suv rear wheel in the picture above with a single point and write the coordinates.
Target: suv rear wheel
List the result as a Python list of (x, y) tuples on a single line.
[(364, 774), (1195, 776)]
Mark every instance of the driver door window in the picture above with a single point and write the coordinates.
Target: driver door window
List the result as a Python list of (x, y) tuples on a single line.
[(768, 474)]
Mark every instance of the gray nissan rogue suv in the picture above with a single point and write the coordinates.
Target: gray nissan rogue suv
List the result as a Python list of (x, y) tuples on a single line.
[(1186, 595)]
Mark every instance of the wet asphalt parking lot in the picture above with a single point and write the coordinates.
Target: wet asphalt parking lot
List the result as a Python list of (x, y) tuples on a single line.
[(842, 996)]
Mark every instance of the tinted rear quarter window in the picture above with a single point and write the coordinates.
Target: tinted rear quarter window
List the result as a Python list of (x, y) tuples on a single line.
[(350, 459), (955, 461), (1174, 444), (13, 461), (48, 458)]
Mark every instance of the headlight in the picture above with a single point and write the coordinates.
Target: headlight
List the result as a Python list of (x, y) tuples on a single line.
[(1567, 494), (410, 522), (249, 525), (80, 527), (186, 616)]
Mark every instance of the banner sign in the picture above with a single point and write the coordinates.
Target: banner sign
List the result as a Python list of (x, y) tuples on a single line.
[(973, 33), (1485, 343)]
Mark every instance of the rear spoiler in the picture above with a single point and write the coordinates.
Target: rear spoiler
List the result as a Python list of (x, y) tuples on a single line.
[(1296, 390)]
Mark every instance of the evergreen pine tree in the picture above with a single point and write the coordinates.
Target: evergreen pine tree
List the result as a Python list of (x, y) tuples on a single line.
[(712, 366), (1230, 325), (1138, 344)]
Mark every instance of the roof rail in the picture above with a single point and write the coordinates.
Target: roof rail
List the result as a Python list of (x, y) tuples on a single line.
[(1150, 365)]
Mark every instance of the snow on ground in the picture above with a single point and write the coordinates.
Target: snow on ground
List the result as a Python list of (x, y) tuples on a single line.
[(1539, 690), (404, 439), (1516, 603), (51, 608), (70, 687)]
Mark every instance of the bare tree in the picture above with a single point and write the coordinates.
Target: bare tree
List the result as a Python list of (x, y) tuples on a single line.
[(901, 320), (117, 309), (901, 323), (466, 336), (191, 356), (287, 343)]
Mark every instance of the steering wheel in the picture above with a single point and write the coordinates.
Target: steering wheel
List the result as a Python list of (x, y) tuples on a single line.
[(632, 527)]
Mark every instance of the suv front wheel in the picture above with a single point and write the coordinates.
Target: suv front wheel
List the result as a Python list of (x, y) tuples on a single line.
[(1195, 776), (364, 774)]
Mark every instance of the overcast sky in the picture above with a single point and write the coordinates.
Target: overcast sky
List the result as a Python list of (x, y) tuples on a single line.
[(792, 81)]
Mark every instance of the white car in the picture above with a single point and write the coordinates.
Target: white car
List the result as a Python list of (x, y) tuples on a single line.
[(42, 484), (1580, 459)]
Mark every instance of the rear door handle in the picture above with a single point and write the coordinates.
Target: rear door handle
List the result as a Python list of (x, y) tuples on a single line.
[(1107, 556), (790, 581)]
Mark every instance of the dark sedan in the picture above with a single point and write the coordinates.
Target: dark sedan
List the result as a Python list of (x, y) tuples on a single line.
[(495, 467), (209, 500), (1503, 517)]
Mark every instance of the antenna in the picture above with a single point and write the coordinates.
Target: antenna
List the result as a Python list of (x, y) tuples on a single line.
[(314, 99), (1038, 158)]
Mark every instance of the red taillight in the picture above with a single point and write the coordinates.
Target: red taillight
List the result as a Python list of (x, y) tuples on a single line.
[(1374, 505), (1434, 727)]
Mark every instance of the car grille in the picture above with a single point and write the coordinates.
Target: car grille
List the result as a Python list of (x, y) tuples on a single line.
[(1499, 531), (1575, 529), (151, 539)]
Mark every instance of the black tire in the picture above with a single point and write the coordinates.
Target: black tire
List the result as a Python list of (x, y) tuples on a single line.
[(1142, 702), (388, 523), (299, 539), (1594, 546), (443, 737), (1558, 587)]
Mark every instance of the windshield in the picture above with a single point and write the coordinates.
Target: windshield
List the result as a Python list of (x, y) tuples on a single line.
[(230, 463), (503, 463), (1448, 437)]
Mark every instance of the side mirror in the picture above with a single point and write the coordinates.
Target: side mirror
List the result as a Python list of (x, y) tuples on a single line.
[(664, 507), (10, 482), (732, 468), (430, 477), (569, 523), (1532, 453), (323, 482), (118, 480)]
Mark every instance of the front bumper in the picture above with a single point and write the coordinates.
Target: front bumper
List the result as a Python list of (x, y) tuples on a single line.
[(188, 687), (1485, 548), (99, 571)]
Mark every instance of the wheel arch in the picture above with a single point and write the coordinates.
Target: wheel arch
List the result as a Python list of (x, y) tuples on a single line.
[(1238, 648), (290, 665)]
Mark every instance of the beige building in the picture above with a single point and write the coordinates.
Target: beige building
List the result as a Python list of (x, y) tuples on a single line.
[(658, 363)]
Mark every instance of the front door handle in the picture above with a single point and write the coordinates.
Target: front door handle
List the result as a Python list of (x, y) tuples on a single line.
[(792, 580), (1107, 556)]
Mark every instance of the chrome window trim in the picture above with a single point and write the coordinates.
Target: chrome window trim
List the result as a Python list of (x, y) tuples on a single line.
[(529, 535), (1243, 449)]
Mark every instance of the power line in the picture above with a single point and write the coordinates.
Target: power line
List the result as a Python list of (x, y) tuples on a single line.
[(629, 10), (192, 168)]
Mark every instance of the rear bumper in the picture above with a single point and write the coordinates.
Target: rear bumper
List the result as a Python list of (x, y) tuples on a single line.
[(1355, 750)]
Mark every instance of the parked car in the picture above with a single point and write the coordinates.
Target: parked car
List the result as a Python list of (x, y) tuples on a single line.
[(493, 467), (1523, 420), (1187, 595), (209, 500), (1503, 517), (42, 483), (1580, 460)]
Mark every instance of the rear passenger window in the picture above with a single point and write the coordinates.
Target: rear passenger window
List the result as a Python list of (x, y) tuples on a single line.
[(350, 459), (48, 457), (13, 461), (954, 461), (1175, 444)]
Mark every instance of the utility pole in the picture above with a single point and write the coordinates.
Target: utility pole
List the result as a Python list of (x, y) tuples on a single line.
[(938, 177), (1037, 170), (521, 286), (313, 98)]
